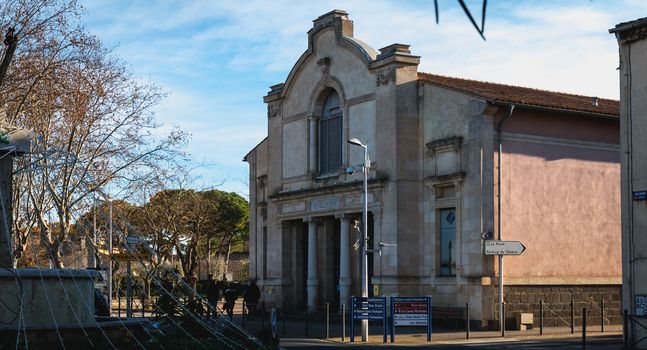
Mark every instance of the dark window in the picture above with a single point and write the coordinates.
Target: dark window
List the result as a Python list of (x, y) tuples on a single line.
[(330, 135), (448, 242)]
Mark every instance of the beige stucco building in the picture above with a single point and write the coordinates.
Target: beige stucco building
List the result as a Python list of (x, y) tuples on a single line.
[(433, 142), (632, 40)]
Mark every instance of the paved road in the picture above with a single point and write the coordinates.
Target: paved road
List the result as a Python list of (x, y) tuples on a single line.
[(600, 342)]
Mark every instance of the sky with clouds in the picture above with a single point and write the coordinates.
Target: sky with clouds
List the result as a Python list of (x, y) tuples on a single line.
[(217, 59)]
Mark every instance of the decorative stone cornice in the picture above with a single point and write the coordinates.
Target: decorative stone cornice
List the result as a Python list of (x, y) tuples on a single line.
[(398, 54), (384, 76), (394, 49), (337, 19), (630, 31), (454, 142), (354, 185), (633, 35), (275, 93), (453, 178)]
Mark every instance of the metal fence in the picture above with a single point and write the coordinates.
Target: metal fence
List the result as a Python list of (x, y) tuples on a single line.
[(629, 325)]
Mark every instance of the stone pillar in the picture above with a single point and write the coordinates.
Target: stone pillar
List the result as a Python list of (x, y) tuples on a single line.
[(312, 146), (344, 260), (312, 283)]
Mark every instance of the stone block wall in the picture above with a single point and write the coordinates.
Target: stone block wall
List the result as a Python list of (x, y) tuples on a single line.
[(557, 300), (50, 297)]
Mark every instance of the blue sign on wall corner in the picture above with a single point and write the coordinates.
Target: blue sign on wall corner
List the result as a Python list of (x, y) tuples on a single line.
[(640, 195)]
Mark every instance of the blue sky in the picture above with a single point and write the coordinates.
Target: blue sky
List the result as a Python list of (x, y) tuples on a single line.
[(216, 59)]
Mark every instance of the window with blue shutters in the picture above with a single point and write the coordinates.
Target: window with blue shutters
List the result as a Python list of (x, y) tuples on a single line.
[(330, 135)]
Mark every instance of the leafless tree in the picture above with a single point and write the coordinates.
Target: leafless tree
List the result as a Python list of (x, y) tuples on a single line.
[(92, 120)]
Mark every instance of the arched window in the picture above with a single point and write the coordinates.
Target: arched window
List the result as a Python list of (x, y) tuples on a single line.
[(330, 135)]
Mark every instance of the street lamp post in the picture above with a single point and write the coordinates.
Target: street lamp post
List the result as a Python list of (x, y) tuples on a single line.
[(365, 168), (92, 247), (110, 259)]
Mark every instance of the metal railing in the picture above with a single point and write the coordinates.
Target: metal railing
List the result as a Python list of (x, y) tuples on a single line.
[(139, 306), (557, 310), (631, 321), (308, 322), (556, 316)]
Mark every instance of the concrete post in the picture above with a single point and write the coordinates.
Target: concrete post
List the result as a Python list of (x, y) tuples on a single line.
[(312, 282), (344, 259)]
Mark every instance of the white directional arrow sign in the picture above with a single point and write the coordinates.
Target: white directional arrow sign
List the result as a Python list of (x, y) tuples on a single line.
[(493, 247)]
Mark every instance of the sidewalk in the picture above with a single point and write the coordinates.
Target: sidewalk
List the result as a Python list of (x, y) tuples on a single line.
[(302, 328), (445, 336)]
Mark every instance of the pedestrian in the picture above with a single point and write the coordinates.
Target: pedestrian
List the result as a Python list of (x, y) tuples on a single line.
[(252, 296), (213, 295), (230, 301)]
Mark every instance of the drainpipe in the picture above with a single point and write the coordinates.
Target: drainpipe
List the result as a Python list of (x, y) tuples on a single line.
[(499, 126)]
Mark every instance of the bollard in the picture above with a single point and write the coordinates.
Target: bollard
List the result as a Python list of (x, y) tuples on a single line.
[(243, 318), (305, 324), (572, 316), (384, 322), (467, 320), (503, 320), (541, 317), (263, 315), (144, 305), (343, 322), (602, 315), (283, 319), (583, 328), (625, 328), (119, 302), (327, 320)]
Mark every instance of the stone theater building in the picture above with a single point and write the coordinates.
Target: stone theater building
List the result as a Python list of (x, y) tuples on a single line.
[(434, 144)]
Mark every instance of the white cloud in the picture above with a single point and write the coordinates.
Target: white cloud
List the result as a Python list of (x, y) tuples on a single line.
[(217, 59)]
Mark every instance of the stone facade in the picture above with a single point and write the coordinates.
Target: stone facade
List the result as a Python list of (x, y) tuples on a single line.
[(433, 142), (632, 42)]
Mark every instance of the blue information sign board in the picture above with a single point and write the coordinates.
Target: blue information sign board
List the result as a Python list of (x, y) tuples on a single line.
[(368, 309), (410, 311)]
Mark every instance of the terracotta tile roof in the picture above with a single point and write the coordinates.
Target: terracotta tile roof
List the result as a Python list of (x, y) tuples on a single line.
[(501, 93)]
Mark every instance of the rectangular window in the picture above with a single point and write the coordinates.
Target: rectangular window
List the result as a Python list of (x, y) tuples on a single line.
[(330, 144), (330, 135), (448, 242)]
